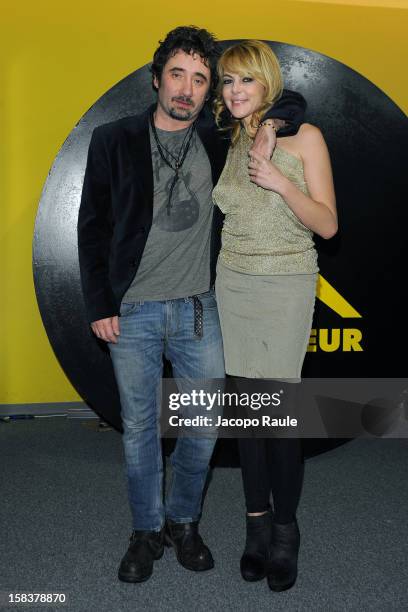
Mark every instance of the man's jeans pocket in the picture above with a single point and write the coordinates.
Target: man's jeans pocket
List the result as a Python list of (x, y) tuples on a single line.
[(127, 308), (208, 299)]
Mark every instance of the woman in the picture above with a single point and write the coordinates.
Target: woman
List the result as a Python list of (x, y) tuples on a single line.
[(266, 286)]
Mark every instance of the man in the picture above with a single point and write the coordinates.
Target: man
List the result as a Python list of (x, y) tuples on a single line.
[(148, 244)]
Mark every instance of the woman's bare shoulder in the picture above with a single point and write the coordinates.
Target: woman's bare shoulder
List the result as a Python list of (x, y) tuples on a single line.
[(305, 134), (308, 139), (309, 132)]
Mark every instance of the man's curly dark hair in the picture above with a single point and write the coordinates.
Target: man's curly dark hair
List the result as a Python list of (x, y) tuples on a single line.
[(189, 39)]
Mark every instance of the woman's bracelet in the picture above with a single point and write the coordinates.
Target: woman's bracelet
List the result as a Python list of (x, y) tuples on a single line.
[(267, 122)]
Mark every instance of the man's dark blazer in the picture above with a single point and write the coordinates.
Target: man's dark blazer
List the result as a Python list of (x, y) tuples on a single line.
[(116, 210)]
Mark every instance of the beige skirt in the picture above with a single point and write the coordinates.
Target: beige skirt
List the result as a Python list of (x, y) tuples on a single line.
[(265, 322)]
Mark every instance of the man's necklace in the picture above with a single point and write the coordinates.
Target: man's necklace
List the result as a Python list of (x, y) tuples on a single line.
[(174, 162)]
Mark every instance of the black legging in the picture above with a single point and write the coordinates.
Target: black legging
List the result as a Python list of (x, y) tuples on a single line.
[(270, 465)]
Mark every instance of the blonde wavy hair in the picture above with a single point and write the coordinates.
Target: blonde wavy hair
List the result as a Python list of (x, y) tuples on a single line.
[(255, 59)]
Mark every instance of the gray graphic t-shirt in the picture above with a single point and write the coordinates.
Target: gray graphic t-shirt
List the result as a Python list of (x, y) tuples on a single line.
[(176, 258)]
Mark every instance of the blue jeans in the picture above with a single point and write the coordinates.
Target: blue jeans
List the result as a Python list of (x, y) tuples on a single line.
[(149, 330)]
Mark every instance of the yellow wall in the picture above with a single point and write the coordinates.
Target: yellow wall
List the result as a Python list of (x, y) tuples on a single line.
[(57, 59)]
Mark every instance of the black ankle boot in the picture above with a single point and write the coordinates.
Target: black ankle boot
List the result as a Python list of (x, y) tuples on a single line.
[(256, 554), (145, 547), (191, 552), (285, 541)]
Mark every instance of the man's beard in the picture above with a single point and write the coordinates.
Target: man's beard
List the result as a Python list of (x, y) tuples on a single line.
[(176, 114), (182, 114)]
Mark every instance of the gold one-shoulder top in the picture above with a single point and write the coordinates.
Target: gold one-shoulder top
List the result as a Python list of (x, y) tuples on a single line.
[(261, 235)]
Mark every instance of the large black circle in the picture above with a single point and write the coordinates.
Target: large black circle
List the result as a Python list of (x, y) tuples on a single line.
[(365, 132)]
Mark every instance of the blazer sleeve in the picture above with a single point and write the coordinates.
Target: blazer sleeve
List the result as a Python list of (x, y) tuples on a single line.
[(95, 228), (291, 107)]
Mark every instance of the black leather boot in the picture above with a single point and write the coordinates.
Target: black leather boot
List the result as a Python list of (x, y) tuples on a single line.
[(285, 542), (191, 552), (256, 554), (145, 547)]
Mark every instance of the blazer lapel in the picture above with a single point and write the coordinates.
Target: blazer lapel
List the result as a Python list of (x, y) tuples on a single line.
[(139, 149)]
